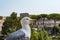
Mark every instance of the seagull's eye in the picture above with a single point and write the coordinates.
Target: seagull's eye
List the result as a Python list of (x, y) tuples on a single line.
[(27, 19)]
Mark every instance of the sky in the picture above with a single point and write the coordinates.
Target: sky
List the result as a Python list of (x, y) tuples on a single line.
[(29, 6)]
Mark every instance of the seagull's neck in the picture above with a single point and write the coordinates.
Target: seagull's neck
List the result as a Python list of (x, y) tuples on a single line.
[(27, 30), (26, 27)]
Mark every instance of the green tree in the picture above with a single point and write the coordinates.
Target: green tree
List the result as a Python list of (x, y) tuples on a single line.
[(11, 24), (40, 35), (43, 35), (54, 16), (34, 35), (44, 15), (54, 30), (34, 16), (58, 29)]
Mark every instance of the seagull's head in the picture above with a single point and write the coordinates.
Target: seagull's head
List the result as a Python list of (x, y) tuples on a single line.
[(26, 20)]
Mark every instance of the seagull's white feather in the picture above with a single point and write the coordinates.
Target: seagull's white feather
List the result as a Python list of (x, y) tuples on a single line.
[(25, 26)]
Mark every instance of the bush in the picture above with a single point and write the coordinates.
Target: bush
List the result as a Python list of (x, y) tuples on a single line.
[(41, 35)]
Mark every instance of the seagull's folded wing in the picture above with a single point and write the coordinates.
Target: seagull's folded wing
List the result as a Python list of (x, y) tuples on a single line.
[(18, 35)]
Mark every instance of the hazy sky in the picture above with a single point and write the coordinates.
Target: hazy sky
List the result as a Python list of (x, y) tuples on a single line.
[(29, 6)]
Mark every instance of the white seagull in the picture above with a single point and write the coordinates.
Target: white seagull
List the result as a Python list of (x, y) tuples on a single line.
[(24, 33)]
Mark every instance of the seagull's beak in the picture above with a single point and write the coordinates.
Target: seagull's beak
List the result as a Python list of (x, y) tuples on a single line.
[(32, 20)]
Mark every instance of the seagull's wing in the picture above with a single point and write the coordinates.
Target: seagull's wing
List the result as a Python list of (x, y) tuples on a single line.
[(18, 35)]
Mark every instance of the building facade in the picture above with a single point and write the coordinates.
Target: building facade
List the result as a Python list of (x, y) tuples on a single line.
[(24, 15), (2, 20), (46, 23)]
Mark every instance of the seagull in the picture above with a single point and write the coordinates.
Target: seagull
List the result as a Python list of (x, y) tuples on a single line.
[(24, 33)]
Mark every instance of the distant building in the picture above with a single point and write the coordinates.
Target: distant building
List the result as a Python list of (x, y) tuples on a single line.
[(2, 20), (24, 15), (47, 23)]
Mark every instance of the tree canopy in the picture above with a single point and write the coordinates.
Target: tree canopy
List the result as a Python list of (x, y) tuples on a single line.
[(11, 24)]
